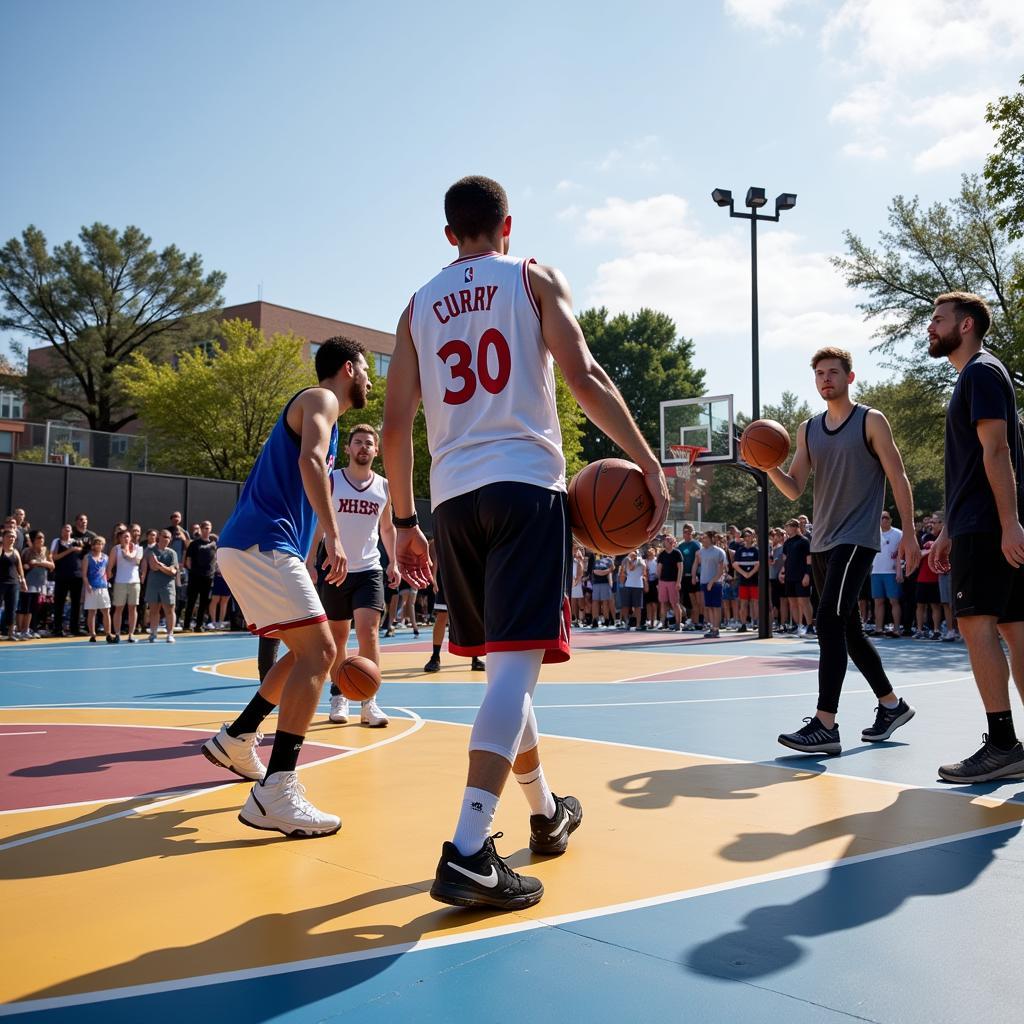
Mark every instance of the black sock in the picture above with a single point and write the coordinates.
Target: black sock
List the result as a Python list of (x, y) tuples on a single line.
[(335, 692), (436, 656), (252, 717), (285, 755), (267, 655), (1000, 729)]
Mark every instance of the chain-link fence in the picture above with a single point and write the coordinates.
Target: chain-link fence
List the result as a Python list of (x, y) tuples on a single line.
[(65, 444)]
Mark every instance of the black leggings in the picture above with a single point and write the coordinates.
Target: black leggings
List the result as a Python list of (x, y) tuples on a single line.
[(838, 576)]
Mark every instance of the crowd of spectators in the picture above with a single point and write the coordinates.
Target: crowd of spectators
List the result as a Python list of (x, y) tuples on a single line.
[(131, 583), (709, 582)]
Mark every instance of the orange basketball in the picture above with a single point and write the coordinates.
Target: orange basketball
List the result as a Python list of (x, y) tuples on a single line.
[(610, 506), (359, 678), (765, 444)]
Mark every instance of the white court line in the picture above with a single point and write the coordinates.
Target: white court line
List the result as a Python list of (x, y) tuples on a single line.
[(40, 733), (99, 668), (146, 808), (559, 921)]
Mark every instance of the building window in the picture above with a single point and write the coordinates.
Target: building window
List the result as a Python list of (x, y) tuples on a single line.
[(314, 347), (383, 361), (12, 406), (6, 444), (119, 445)]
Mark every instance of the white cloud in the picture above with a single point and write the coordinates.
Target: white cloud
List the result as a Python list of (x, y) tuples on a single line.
[(957, 149), (569, 213), (864, 106), (565, 185), (702, 280), (762, 15), (644, 155), (865, 150)]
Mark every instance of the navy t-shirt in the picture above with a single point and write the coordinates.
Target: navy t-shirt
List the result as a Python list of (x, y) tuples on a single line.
[(984, 391), (747, 559), (795, 550)]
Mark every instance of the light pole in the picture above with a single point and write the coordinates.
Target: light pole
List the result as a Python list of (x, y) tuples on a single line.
[(754, 201)]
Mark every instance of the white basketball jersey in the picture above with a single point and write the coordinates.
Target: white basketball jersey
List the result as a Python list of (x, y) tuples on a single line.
[(486, 377), (357, 510)]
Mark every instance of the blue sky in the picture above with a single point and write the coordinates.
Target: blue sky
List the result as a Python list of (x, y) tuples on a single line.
[(307, 146)]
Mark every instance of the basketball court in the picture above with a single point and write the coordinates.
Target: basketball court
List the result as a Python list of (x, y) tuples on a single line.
[(713, 878)]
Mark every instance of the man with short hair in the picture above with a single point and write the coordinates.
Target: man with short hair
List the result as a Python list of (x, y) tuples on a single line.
[(795, 577), (851, 451), (670, 564), (477, 344), (602, 601), (690, 594), (262, 557), (982, 540), (708, 569), (201, 565), (887, 577), (746, 564)]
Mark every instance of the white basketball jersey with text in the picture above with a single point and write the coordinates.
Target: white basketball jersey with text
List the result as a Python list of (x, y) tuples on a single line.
[(486, 378), (357, 509)]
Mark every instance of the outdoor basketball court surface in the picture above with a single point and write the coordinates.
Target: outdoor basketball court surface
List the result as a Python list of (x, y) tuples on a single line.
[(715, 877)]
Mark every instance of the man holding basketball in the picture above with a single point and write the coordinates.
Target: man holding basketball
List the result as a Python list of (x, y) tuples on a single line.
[(851, 451), (476, 344)]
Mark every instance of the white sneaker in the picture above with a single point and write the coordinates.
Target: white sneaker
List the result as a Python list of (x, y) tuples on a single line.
[(339, 709), (802, 630), (372, 716), (279, 804), (238, 755)]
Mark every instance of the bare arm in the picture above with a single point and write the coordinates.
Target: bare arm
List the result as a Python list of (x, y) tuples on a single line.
[(400, 405), (591, 386), (999, 471), (881, 440), (389, 538), (792, 484), (319, 411)]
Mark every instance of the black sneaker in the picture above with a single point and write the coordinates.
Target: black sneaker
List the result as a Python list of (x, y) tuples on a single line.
[(477, 666), (988, 763), (813, 738), (551, 835), (482, 880), (743, 628), (434, 665), (887, 721)]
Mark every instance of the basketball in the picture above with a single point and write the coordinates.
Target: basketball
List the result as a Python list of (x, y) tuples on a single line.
[(610, 506), (359, 678), (765, 444)]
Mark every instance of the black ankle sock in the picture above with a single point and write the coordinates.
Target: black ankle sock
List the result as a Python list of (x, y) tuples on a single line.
[(267, 655), (1000, 729), (285, 755), (437, 652), (252, 717)]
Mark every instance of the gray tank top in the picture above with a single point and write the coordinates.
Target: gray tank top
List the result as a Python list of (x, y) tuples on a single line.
[(849, 483)]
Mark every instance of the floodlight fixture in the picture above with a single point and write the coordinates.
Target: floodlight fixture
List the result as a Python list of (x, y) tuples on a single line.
[(785, 201), (722, 196), (755, 198)]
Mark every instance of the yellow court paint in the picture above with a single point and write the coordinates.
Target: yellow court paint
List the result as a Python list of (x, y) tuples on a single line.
[(585, 667), (186, 890)]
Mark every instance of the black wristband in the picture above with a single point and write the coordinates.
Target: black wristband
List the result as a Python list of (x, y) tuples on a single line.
[(405, 524)]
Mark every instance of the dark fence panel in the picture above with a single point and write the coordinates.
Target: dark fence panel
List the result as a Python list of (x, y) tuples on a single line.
[(52, 495)]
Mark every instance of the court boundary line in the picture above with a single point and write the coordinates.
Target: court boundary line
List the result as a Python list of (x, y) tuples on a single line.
[(558, 922)]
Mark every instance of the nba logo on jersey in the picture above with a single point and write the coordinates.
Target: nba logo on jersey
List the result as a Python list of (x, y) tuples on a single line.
[(469, 275)]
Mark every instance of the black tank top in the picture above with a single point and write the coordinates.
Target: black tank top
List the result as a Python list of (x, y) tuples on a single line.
[(9, 568)]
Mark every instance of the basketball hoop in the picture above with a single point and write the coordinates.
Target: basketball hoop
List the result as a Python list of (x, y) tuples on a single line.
[(686, 454)]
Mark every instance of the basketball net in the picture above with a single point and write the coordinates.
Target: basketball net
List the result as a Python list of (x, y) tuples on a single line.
[(687, 456)]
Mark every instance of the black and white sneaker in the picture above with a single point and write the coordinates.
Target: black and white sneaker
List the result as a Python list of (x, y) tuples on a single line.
[(551, 835), (813, 738), (887, 721), (434, 665), (482, 880), (476, 665), (987, 764)]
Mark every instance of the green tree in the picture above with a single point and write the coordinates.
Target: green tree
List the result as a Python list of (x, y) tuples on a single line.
[(1004, 169), (209, 415), (648, 362), (951, 246), (95, 304)]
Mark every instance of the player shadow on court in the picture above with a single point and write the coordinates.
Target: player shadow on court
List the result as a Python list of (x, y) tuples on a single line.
[(90, 842), (90, 764), (852, 894), (194, 691), (274, 938)]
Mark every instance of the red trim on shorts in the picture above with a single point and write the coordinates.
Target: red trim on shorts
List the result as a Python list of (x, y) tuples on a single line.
[(278, 627), (526, 284), (555, 651)]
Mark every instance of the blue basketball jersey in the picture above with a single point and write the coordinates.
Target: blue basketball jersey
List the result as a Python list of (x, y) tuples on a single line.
[(273, 511)]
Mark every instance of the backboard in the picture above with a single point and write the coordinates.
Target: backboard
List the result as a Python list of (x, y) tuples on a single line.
[(706, 421)]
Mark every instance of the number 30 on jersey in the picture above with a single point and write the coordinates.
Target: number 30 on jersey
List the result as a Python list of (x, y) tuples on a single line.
[(462, 368)]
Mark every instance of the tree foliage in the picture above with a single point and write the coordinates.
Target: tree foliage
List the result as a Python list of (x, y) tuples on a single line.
[(96, 303), (209, 415), (648, 363), (952, 246), (1004, 169)]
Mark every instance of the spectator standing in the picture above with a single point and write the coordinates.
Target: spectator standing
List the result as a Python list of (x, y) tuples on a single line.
[(631, 584), (124, 571), (651, 562), (746, 562), (161, 578), (80, 532), (37, 564), (886, 577), (688, 548), (776, 560), (670, 563), (12, 580), (66, 553), (795, 576), (94, 586), (602, 602), (576, 594), (200, 563), (929, 608), (708, 569), (11, 523)]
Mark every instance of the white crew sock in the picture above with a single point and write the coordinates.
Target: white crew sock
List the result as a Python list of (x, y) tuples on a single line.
[(890, 702), (475, 820), (537, 793)]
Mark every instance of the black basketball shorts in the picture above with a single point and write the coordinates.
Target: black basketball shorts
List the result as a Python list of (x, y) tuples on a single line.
[(358, 590), (504, 551), (984, 582)]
